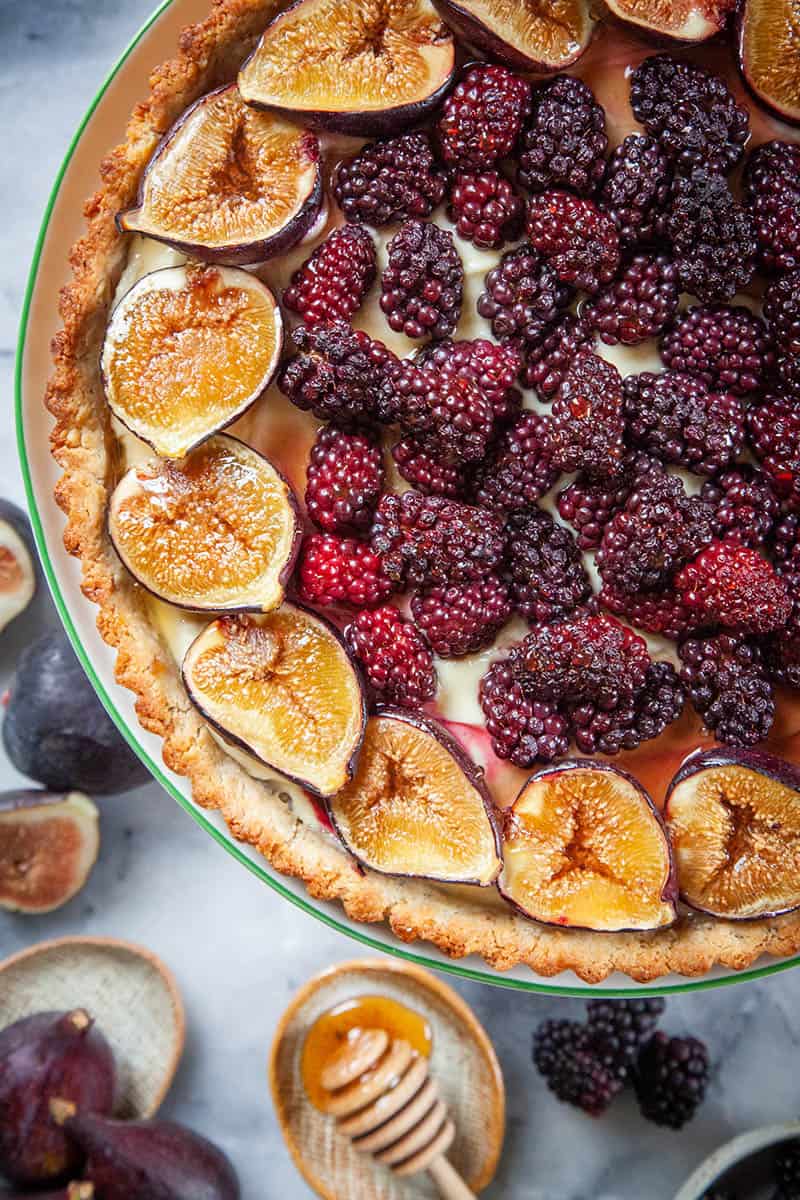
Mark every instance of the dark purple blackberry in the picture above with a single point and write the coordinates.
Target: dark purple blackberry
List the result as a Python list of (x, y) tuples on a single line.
[(423, 284), (390, 181), (590, 504), (462, 618), (782, 650), (785, 544), (729, 687), (547, 359), (786, 1169), (494, 368), (545, 570), (523, 295), (692, 113), (333, 281), (578, 240), (587, 424), (482, 117), (782, 312), (772, 194), (773, 428), (427, 473), (632, 720), (429, 541), (445, 411), (745, 504), (670, 1079), (656, 612), (713, 237), (728, 348), (679, 420), (564, 1055), (635, 190), (522, 731), (659, 529), (638, 304), (337, 374), (396, 659), (485, 209), (519, 469), (787, 375), (344, 480), (564, 141)]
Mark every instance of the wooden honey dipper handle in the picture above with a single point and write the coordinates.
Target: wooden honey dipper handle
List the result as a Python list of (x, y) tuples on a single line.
[(383, 1098)]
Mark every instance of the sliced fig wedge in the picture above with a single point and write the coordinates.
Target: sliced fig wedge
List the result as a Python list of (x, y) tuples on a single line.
[(187, 351), (585, 847), (48, 846), (364, 67), (681, 20), (17, 563), (734, 821), (768, 57), (228, 184), (529, 34), (218, 531), (418, 805), (281, 687)]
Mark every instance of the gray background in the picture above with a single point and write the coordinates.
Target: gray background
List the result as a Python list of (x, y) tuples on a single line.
[(238, 950)]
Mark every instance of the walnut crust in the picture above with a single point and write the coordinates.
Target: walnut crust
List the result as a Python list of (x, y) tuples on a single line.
[(84, 446)]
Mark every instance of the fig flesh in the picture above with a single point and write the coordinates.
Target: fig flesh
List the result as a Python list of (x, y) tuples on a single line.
[(526, 34), (681, 20), (417, 805), (228, 184), (734, 821), (57, 732), (282, 687), (363, 67), (187, 351), (768, 58), (218, 531), (48, 846), (137, 1160), (585, 847), (42, 1057), (17, 562)]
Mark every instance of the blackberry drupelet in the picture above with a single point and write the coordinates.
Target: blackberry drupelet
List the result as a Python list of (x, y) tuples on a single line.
[(670, 1079), (733, 585), (713, 237), (390, 181), (579, 241), (638, 304), (782, 312), (443, 409), (635, 190), (397, 660), (772, 194), (745, 504), (482, 117), (564, 1056), (523, 296), (728, 685), (494, 368), (423, 283), (519, 468), (332, 283), (523, 731), (485, 209), (337, 373), (427, 473), (344, 480), (546, 574), (587, 425), (335, 570), (677, 418), (727, 347), (547, 359), (564, 141), (462, 618)]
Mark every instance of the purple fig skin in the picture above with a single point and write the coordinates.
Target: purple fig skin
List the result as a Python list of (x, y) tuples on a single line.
[(71, 866), (470, 29), (669, 892), (148, 1160), (43, 1056), (789, 116)]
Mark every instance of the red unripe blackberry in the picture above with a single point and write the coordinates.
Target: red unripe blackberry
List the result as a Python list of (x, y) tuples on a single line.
[(482, 117), (732, 585), (564, 140), (344, 480), (677, 418), (728, 348), (485, 209), (333, 282), (635, 190), (523, 295), (587, 424), (390, 181), (729, 687), (334, 570), (548, 358), (578, 240), (713, 237), (523, 731), (397, 660), (462, 618), (427, 473), (772, 194), (638, 304), (338, 373), (545, 569), (519, 469), (423, 284)]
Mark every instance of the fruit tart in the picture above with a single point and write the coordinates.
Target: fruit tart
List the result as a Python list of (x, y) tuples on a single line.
[(428, 404)]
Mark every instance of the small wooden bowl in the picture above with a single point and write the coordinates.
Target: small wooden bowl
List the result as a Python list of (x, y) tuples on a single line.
[(130, 993), (463, 1062)]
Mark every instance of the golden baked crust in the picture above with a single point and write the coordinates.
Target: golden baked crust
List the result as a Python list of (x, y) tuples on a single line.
[(84, 446)]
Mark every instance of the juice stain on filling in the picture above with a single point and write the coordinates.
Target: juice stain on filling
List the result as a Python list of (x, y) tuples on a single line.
[(342, 1023)]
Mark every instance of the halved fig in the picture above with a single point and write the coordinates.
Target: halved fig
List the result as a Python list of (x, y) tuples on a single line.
[(585, 847), (364, 67), (734, 821), (528, 34), (217, 532), (17, 562), (228, 184), (768, 57), (681, 20), (48, 846), (417, 805), (281, 686), (187, 351)]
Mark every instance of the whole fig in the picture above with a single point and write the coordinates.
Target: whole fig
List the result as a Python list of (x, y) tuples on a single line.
[(42, 1056)]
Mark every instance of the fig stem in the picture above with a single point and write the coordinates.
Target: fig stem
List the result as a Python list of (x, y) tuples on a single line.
[(80, 1191), (80, 1020), (61, 1110)]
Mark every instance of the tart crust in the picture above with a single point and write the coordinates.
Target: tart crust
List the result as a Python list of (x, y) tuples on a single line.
[(84, 445)]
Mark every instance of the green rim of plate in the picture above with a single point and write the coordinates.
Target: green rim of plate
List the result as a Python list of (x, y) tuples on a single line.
[(470, 973)]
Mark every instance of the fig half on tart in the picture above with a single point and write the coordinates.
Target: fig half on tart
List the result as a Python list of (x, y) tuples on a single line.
[(363, 67), (768, 58), (680, 20), (216, 532), (417, 805), (187, 351), (228, 184), (281, 686), (584, 847), (526, 34), (734, 822)]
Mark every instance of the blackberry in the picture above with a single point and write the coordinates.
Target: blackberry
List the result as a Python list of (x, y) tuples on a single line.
[(397, 660), (523, 296), (774, 433), (482, 117), (485, 209), (462, 618), (546, 574), (333, 282), (547, 359), (446, 411), (620, 1027), (732, 585), (519, 469), (589, 656), (635, 190), (782, 312), (745, 504), (786, 1169), (564, 141), (772, 194), (589, 504), (670, 1079), (429, 541), (713, 238), (728, 348), (782, 651), (785, 544), (587, 424), (578, 240), (564, 1055), (425, 472), (494, 368), (344, 480), (337, 373), (423, 283), (729, 687), (632, 720), (692, 113), (658, 530), (521, 730), (638, 304), (787, 375), (678, 419), (390, 181), (335, 570), (657, 612)]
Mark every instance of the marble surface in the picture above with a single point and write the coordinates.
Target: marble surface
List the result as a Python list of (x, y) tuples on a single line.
[(238, 950)]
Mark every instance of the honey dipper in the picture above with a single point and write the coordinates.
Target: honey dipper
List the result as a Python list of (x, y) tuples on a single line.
[(383, 1098)]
